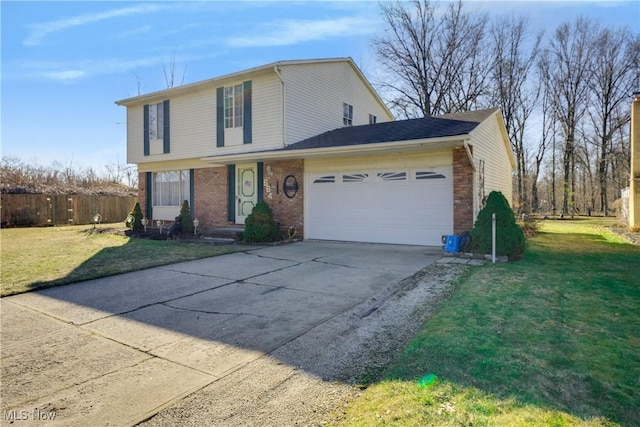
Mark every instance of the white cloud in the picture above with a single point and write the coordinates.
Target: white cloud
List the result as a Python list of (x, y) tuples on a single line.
[(42, 30), (64, 75), (290, 32), (133, 32), (74, 70)]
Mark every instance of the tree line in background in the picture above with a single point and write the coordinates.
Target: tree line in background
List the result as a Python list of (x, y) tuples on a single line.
[(565, 96), (18, 177)]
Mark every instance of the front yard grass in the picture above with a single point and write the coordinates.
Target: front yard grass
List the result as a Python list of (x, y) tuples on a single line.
[(551, 340), (36, 258)]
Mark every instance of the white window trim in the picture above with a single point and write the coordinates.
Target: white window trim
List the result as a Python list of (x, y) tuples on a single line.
[(233, 106), (156, 121), (182, 188), (347, 114)]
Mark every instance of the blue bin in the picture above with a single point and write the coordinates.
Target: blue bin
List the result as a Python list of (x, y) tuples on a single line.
[(452, 244)]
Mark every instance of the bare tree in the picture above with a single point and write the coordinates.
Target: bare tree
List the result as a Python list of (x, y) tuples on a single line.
[(138, 81), (435, 62), (614, 71), (566, 67), (169, 71), (547, 138), (517, 96)]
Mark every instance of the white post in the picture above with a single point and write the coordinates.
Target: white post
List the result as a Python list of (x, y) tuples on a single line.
[(493, 238)]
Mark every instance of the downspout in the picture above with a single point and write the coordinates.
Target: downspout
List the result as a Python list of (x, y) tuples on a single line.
[(284, 122), (469, 154), (475, 206)]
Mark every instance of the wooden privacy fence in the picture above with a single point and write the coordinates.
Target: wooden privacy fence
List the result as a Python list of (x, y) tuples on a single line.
[(42, 209)]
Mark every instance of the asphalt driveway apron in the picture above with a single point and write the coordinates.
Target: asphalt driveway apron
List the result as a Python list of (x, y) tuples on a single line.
[(117, 350)]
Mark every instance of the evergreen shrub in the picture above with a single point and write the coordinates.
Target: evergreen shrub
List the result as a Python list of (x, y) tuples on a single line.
[(510, 240), (260, 227), (185, 218), (136, 214)]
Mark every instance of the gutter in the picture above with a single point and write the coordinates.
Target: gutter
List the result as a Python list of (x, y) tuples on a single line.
[(348, 150), (469, 154)]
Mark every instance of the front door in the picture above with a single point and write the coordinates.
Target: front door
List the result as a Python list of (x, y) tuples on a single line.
[(246, 191)]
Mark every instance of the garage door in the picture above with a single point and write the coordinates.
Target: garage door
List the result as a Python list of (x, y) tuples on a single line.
[(406, 206)]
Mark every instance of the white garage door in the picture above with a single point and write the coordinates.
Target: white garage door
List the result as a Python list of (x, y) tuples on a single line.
[(406, 206)]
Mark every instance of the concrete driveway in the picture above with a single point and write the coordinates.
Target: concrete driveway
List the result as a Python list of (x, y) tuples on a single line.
[(116, 351)]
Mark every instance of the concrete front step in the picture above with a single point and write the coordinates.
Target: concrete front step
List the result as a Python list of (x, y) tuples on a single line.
[(234, 233)]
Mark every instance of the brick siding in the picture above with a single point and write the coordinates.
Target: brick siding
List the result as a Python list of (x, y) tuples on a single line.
[(142, 192), (287, 211), (462, 191), (211, 197)]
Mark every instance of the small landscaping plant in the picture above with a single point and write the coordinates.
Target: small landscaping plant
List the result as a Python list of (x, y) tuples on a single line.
[(134, 219), (185, 217), (260, 227), (510, 240)]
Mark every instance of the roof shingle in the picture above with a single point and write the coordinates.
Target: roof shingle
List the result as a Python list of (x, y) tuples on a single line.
[(400, 130)]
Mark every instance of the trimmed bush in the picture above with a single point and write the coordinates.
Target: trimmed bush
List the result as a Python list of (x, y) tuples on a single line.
[(260, 227), (510, 240), (185, 217), (136, 214)]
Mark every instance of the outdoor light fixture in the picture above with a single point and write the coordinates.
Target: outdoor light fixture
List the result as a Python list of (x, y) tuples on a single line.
[(159, 224), (195, 225), (96, 219), (144, 221)]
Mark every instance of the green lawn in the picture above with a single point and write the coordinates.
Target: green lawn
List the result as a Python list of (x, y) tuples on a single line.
[(551, 340), (35, 258)]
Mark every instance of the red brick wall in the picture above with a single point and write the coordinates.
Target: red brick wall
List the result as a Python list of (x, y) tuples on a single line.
[(211, 197), (462, 191), (142, 192), (286, 211)]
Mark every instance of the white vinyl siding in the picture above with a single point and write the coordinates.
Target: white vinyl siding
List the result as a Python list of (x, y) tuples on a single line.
[(489, 148), (193, 123), (315, 94), (135, 134)]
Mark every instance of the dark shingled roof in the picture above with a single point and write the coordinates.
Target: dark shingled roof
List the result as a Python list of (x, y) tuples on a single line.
[(400, 130)]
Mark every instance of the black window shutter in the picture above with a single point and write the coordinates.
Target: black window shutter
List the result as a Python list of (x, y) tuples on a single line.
[(220, 117), (192, 192), (246, 122), (146, 130), (149, 195), (231, 173), (165, 106), (260, 183)]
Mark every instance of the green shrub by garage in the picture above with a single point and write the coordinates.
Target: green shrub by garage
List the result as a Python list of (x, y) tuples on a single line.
[(510, 240), (260, 227)]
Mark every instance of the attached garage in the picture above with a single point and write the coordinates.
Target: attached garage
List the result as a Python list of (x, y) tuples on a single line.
[(404, 182)]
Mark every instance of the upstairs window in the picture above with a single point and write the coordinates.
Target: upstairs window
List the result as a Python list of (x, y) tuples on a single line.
[(347, 114), (233, 99), (156, 121), (372, 119)]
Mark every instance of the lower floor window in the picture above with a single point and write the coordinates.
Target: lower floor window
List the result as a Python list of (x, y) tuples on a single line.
[(171, 188)]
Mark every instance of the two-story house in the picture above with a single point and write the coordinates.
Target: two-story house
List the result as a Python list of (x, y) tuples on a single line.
[(315, 141)]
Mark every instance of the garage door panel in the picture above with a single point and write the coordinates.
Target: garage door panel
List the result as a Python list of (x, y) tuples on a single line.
[(381, 206)]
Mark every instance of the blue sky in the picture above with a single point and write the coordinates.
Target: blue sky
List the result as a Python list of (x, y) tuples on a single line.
[(65, 63)]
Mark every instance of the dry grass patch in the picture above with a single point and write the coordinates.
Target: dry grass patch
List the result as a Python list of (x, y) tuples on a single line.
[(36, 258)]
